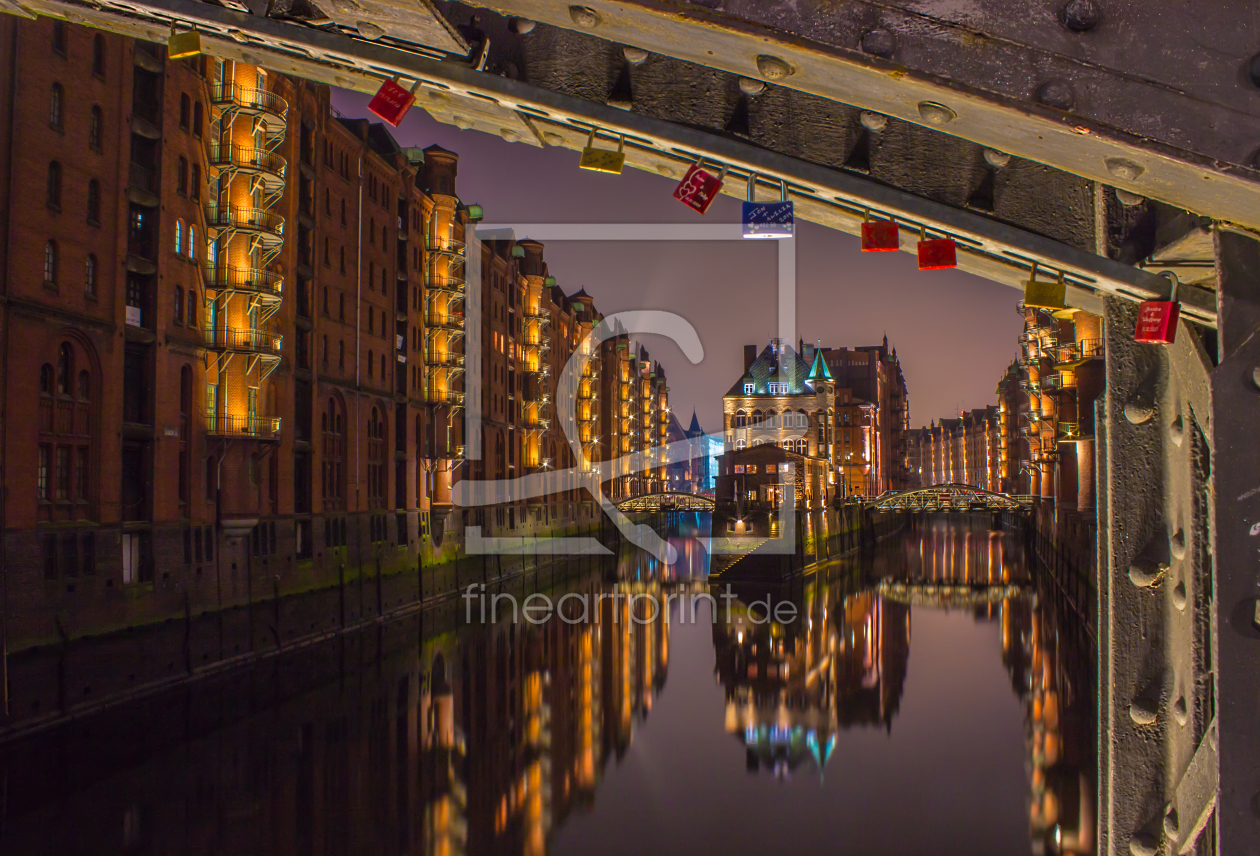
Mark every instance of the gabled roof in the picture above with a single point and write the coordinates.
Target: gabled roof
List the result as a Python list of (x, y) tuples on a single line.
[(819, 370), (766, 369)]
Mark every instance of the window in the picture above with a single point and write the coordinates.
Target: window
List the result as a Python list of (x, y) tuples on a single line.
[(185, 111), (343, 212), (59, 37), (748, 388), (179, 237), (324, 359), (197, 119), (372, 231), (50, 263), (65, 437), (179, 305), (98, 56), (371, 361), (342, 263), (192, 242), (341, 306), (181, 180), (194, 182), (94, 202), (89, 276), (332, 422), (327, 260), (192, 307), (54, 186), (741, 419), (371, 279), (341, 355), (94, 128), (376, 459), (739, 444)]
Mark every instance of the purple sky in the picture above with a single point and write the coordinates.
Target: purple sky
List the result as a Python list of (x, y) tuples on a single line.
[(955, 333)]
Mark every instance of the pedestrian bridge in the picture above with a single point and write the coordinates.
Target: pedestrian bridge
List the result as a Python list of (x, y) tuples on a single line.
[(949, 594), (950, 498), (666, 502)]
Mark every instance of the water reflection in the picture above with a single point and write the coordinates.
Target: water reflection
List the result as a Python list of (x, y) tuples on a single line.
[(434, 737)]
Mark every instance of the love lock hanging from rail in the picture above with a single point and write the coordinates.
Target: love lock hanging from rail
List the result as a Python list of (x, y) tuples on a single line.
[(1039, 294), (879, 236), (768, 219), (391, 102), (603, 160), (1157, 319), (699, 187), (936, 253)]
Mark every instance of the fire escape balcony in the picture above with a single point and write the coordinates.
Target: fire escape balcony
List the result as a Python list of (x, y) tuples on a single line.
[(448, 397), (268, 166), (1075, 353), (444, 244), (224, 277), (244, 427), (446, 283), (450, 322), (1059, 382), (1069, 432), (269, 108), (262, 342), (449, 360), (266, 225)]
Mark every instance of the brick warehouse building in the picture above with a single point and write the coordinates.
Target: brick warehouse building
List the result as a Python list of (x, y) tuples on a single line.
[(235, 346)]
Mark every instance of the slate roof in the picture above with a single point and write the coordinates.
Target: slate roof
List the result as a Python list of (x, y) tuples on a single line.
[(765, 369)]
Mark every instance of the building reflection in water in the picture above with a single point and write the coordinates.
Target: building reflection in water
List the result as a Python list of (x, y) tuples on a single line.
[(842, 663), (484, 739)]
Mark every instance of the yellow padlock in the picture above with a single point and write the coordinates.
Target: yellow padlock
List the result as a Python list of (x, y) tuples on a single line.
[(183, 45), (1039, 294), (603, 160)]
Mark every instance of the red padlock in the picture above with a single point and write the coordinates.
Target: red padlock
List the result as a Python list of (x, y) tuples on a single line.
[(699, 188), (1157, 322), (880, 236), (391, 102), (937, 254)]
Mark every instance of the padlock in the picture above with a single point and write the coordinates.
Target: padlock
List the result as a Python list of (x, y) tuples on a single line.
[(880, 236), (391, 102), (768, 219), (699, 187), (603, 160), (936, 253), (183, 45), (1157, 319), (1039, 294)]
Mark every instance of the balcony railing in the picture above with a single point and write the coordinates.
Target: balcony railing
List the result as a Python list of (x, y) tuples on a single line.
[(445, 283), (261, 427), (1060, 381), (451, 321), (252, 341), (447, 360), (231, 278), (266, 223), (444, 244), (444, 396), (1069, 431), (142, 178), (246, 158), (1085, 349), (248, 98)]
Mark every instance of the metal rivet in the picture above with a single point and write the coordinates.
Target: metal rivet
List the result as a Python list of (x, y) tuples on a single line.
[(1124, 168), (1057, 94), (879, 43), (509, 135), (666, 170), (521, 26), (773, 68), (462, 123), (996, 159), (635, 56), (748, 86), (584, 16), (1129, 199), (1138, 412), (1144, 573), (873, 121), (553, 139), (1178, 544), (369, 30), (1179, 595), (1081, 16), (1171, 822), (936, 114), (1143, 844), (1179, 711), (1142, 712)]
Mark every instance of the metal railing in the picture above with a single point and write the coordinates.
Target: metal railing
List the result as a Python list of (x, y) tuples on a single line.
[(1085, 349), (248, 98), (451, 321), (245, 157), (254, 341), (1069, 431), (141, 177), (263, 427), (444, 396), (445, 283), (448, 360), (258, 220), (231, 278), (444, 244)]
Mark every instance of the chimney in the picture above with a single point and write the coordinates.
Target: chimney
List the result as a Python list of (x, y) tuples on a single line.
[(750, 356)]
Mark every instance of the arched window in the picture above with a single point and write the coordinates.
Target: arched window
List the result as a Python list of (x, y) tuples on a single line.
[(741, 419), (192, 242), (94, 202), (65, 438), (802, 419), (740, 444), (50, 262), (328, 202), (179, 237), (371, 361), (197, 119), (376, 459), (772, 419), (54, 185), (56, 100), (383, 367), (185, 111), (192, 307), (194, 182), (94, 128), (756, 417), (327, 258), (343, 260), (89, 276), (343, 212), (334, 451), (185, 416), (179, 305), (98, 56), (372, 231), (59, 37)]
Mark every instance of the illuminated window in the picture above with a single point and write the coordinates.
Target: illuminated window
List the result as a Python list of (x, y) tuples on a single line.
[(748, 388), (55, 100)]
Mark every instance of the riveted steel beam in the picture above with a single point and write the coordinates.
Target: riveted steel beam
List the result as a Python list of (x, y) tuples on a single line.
[(1142, 132)]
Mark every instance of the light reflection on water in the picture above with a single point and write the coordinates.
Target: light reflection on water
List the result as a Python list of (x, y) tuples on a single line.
[(928, 697)]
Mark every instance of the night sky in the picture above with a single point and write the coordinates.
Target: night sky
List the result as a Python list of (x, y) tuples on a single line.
[(954, 333)]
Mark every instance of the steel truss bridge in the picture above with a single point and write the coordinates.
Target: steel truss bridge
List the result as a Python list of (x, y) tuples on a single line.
[(950, 497), (666, 502), (1101, 143)]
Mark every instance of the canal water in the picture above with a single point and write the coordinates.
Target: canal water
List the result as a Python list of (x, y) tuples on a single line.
[(933, 695)]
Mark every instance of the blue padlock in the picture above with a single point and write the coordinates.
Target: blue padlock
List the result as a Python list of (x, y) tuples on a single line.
[(768, 219)]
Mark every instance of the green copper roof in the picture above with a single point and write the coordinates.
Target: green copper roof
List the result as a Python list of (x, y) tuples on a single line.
[(819, 370)]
